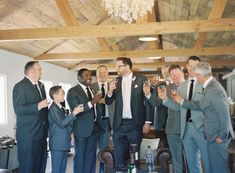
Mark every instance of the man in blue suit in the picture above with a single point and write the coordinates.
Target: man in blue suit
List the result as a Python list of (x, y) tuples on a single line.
[(104, 112), (192, 125), (31, 108), (217, 123), (85, 127), (130, 117)]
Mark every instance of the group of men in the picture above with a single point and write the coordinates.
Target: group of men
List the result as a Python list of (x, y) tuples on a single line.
[(198, 121)]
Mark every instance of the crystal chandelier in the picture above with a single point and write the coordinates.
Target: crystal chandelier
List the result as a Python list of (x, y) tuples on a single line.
[(128, 10)]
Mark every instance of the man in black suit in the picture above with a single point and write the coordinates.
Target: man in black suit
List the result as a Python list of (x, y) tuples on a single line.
[(85, 127), (31, 108), (130, 114)]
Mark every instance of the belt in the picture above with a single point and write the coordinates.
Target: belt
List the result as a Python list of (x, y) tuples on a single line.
[(126, 119)]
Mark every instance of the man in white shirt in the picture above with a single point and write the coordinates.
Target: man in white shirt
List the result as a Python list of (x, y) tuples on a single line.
[(131, 117)]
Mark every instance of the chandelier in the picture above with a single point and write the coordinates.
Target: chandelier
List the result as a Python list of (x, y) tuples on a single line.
[(128, 10)]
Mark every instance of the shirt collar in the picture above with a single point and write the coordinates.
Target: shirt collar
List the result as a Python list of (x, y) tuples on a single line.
[(129, 76), (207, 82), (83, 86), (100, 84), (31, 81)]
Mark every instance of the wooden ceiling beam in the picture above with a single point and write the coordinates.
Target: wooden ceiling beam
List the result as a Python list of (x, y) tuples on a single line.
[(138, 66), (136, 54), (173, 27), (70, 20), (216, 13)]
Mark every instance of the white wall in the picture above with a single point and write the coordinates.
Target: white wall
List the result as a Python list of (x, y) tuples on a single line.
[(12, 65)]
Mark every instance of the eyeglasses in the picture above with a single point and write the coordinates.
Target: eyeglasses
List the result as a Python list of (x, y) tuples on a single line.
[(119, 66)]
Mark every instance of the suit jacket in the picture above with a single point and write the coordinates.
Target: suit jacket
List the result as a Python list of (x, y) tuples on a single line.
[(197, 116), (214, 105), (83, 125), (173, 118), (103, 123), (59, 128), (138, 104), (31, 123)]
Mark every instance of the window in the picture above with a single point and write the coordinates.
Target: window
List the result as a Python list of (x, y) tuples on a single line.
[(65, 87), (3, 100)]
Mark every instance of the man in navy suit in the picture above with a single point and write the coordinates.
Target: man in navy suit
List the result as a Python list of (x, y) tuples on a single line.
[(105, 112), (217, 123), (85, 127), (31, 108), (130, 114)]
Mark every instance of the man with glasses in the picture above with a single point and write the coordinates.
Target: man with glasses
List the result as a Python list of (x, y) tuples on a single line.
[(131, 117)]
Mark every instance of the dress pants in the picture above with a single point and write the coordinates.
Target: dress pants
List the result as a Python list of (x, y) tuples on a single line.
[(195, 147), (218, 155), (32, 155), (176, 149), (59, 161), (125, 135)]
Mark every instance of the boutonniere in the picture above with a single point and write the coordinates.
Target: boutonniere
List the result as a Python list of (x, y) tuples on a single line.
[(136, 86)]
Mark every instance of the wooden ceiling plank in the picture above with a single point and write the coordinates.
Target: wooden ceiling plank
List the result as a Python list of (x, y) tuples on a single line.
[(216, 13), (173, 27), (136, 54), (70, 20)]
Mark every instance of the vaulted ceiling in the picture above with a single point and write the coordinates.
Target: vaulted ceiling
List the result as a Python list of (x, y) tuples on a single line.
[(79, 33)]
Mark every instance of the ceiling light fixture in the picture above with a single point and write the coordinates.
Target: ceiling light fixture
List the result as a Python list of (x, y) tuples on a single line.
[(128, 10), (147, 38)]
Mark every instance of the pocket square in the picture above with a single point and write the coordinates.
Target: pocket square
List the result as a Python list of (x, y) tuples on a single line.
[(136, 86)]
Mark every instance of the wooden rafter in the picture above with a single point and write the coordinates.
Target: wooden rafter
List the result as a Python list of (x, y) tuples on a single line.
[(135, 54), (216, 13), (70, 20), (172, 27), (156, 65)]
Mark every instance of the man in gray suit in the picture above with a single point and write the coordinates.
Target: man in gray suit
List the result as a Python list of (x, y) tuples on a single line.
[(192, 125), (31, 108), (130, 115), (217, 123), (173, 119), (105, 112)]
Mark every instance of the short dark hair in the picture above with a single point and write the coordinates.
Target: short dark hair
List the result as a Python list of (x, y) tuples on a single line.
[(194, 58), (81, 71), (54, 90), (174, 66), (29, 65), (125, 60)]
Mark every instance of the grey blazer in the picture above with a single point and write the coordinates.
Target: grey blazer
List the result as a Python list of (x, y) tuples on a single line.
[(103, 123), (173, 119), (214, 105), (197, 116)]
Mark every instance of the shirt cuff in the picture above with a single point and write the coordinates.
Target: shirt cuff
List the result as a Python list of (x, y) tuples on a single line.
[(148, 122), (89, 104), (182, 102)]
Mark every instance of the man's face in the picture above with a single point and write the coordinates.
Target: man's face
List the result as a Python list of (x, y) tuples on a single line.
[(102, 74), (199, 78), (121, 68), (86, 78), (190, 66), (36, 72), (176, 76)]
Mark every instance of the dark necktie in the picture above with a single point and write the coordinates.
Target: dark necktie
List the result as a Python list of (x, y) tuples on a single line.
[(188, 113), (102, 105), (36, 87), (89, 94), (90, 98)]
